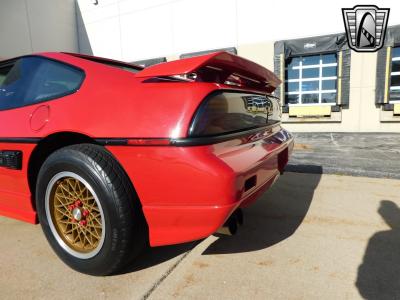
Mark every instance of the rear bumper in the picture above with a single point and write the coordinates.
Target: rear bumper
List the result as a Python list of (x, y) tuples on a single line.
[(179, 224), (187, 193)]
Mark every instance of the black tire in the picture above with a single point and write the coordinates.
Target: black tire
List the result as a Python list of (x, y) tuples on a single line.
[(125, 228)]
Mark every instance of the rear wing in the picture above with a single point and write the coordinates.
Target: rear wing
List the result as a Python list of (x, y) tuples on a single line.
[(218, 67)]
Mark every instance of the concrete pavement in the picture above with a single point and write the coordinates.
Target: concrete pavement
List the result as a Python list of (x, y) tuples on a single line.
[(356, 154), (311, 236)]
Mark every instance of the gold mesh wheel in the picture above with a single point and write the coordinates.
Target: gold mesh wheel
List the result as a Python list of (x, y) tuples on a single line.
[(76, 217)]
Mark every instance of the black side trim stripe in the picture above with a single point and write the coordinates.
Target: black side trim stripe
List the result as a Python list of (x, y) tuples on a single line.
[(181, 142), (112, 141), (20, 140)]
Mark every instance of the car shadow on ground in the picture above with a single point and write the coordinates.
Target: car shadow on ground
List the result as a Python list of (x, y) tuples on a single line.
[(379, 274), (274, 217)]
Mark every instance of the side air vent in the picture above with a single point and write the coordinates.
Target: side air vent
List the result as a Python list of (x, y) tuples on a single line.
[(11, 159)]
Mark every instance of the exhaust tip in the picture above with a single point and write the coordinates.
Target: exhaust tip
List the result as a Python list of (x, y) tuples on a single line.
[(238, 214), (231, 225)]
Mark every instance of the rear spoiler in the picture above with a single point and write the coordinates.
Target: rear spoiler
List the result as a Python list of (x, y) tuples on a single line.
[(218, 67)]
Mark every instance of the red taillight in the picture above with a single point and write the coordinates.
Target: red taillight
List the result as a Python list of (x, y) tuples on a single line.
[(148, 142)]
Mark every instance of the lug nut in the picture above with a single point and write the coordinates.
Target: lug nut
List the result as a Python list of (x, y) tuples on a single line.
[(71, 207), (85, 213), (83, 223), (78, 203)]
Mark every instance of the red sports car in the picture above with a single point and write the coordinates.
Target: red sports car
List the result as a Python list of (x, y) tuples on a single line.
[(110, 157)]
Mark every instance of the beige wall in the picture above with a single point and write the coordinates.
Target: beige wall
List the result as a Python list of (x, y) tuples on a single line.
[(28, 26), (261, 53), (362, 114)]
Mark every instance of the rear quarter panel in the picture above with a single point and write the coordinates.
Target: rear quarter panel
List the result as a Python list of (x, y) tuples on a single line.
[(111, 103)]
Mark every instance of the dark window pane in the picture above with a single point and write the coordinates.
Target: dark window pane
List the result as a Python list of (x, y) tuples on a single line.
[(15, 84), (329, 84), (328, 58), (328, 98), (311, 60), (293, 62), (309, 98), (310, 85), (328, 71), (292, 86), (395, 80), (4, 71), (310, 73), (292, 74), (34, 79), (53, 80), (396, 52), (394, 95), (292, 99), (396, 66)]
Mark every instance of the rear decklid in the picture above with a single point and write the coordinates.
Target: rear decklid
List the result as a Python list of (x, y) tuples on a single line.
[(218, 67)]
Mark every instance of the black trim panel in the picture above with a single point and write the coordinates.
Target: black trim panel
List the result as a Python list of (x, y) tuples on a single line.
[(204, 102), (11, 159), (20, 140), (209, 140)]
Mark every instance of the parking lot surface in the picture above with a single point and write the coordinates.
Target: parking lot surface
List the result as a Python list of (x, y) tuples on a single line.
[(356, 154), (311, 236)]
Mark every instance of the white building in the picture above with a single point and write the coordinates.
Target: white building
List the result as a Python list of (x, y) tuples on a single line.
[(339, 91)]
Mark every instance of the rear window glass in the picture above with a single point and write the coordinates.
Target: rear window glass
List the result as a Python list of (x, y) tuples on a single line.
[(32, 79), (233, 112)]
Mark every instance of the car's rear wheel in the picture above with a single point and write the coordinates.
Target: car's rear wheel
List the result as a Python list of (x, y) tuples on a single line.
[(89, 210), (75, 215)]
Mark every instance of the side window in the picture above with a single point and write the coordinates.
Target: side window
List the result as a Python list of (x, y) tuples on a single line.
[(9, 77), (30, 80), (4, 70)]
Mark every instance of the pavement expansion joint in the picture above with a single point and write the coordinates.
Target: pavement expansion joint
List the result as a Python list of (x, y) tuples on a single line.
[(166, 274)]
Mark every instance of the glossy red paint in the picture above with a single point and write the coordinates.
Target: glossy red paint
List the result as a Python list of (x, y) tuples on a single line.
[(186, 192), (15, 197), (209, 68), (203, 184)]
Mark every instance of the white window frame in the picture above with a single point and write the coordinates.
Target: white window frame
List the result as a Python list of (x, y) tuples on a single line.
[(394, 88), (320, 78)]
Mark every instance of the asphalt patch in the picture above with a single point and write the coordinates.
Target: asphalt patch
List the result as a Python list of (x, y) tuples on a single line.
[(374, 155)]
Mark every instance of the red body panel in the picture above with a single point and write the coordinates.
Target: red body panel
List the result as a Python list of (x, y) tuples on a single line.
[(203, 184), (217, 67), (15, 196), (113, 103), (186, 192)]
